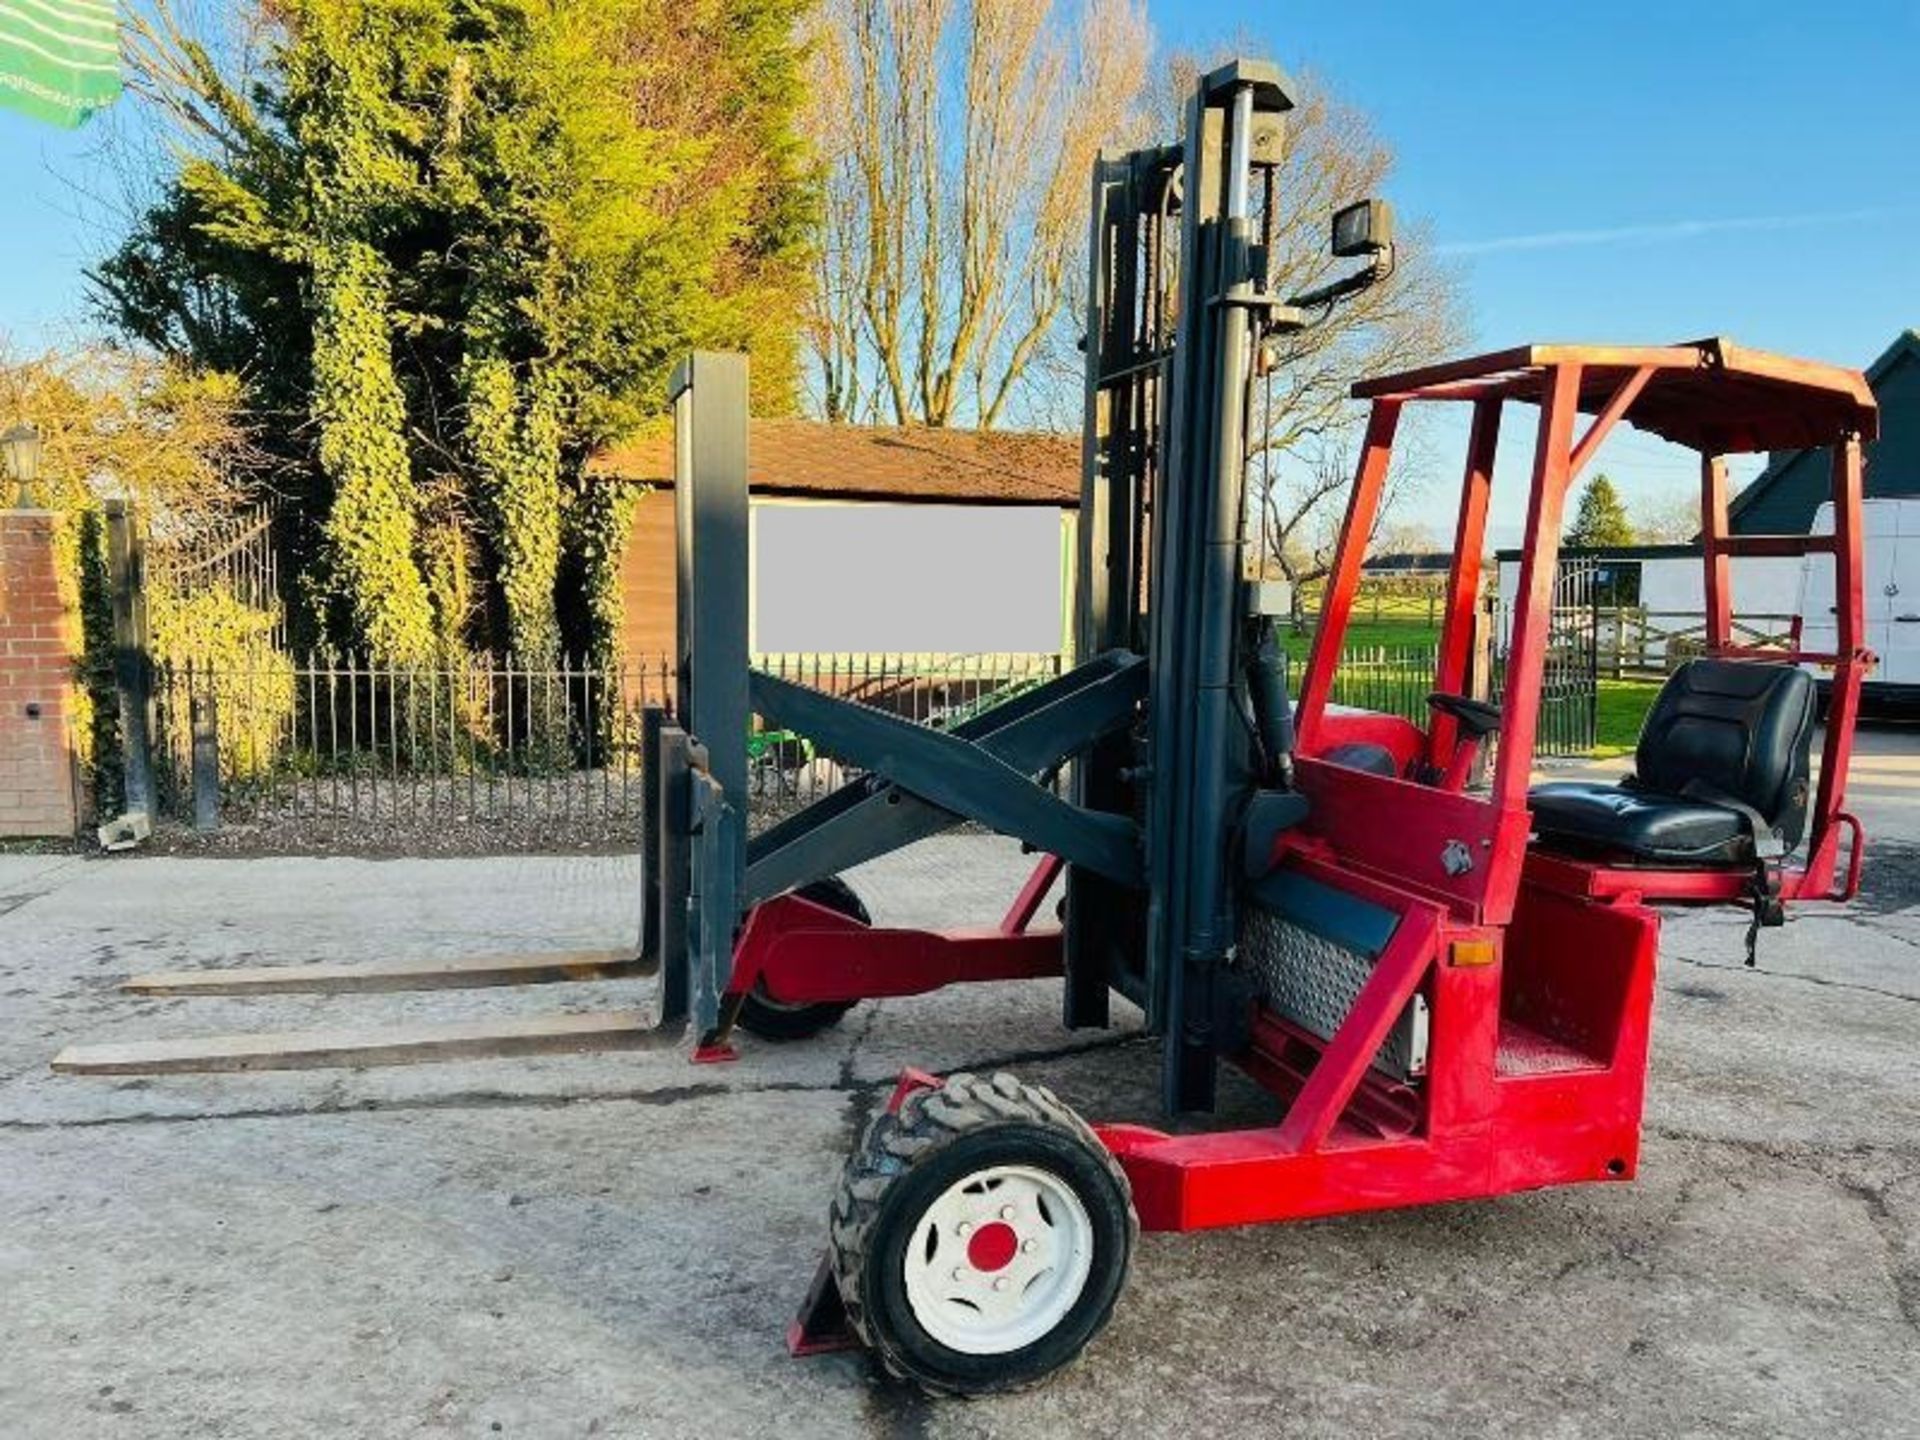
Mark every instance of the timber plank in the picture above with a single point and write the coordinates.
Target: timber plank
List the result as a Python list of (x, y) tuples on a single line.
[(459, 973), (372, 1045)]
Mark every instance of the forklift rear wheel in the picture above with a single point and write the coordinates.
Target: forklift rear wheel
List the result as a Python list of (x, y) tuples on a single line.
[(771, 1019), (980, 1236)]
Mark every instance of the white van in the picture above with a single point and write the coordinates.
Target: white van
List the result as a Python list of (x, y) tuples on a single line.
[(1891, 595)]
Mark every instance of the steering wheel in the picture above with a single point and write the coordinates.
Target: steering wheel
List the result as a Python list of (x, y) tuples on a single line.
[(1476, 718)]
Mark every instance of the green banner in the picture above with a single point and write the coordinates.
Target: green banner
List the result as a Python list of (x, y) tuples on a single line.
[(59, 59)]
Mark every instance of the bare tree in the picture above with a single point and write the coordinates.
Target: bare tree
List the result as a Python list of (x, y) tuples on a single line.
[(122, 424), (1671, 517), (195, 61), (956, 137), (1303, 424)]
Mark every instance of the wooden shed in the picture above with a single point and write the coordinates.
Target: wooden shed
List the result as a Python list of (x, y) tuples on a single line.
[(869, 539)]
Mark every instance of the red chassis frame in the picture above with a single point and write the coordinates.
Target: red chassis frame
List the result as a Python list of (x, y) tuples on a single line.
[(802, 953), (1537, 969)]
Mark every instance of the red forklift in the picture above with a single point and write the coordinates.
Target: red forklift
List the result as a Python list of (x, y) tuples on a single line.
[(1442, 970)]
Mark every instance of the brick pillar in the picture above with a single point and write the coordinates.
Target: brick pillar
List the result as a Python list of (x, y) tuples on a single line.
[(36, 682)]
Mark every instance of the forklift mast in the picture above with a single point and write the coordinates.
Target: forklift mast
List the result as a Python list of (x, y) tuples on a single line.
[(1171, 728), (1172, 339)]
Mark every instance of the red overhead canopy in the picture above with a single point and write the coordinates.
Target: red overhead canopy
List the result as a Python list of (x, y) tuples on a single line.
[(1711, 395)]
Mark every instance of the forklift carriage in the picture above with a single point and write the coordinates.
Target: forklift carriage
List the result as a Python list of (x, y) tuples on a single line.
[(1446, 985)]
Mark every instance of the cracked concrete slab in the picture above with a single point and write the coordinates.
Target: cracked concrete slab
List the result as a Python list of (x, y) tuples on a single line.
[(612, 1245)]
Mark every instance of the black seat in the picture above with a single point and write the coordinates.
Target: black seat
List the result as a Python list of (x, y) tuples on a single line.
[(1722, 762), (1364, 755)]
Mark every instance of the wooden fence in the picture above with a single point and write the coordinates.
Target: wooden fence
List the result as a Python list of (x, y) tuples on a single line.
[(1635, 642)]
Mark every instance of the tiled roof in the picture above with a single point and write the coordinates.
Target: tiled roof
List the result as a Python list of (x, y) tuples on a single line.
[(862, 462)]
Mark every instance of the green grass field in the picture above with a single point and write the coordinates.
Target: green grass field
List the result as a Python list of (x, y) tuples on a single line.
[(1365, 634), (1623, 706)]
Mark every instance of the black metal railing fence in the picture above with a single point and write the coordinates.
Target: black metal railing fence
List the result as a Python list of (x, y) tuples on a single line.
[(491, 741), (237, 556), (1396, 680), (1388, 679), (488, 741), (1569, 701)]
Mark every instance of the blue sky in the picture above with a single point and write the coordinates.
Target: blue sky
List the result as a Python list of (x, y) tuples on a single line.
[(1635, 172), (49, 230), (1639, 170), (1622, 171)]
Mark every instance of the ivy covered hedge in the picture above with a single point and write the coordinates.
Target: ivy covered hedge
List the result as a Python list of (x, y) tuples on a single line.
[(456, 247), (208, 642), (96, 693)]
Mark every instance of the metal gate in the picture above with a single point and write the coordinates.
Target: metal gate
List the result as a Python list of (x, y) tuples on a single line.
[(1570, 682)]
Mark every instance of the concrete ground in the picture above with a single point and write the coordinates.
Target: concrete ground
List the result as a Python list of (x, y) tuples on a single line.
[(612, 1245)]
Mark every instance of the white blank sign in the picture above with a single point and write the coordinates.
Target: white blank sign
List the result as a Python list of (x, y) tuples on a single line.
[(959, 579)]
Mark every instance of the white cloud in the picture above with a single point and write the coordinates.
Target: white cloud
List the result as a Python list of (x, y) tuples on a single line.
[(1663, 230)]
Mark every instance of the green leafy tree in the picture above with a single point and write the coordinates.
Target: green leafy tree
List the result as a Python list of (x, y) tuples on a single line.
[(464, 241), (349, 124), (1601, 520), (114, 423)]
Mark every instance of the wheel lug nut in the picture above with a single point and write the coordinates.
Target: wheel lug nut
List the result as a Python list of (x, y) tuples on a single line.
[(963, 1229), (1006, 1212), (960, 1274), (1027, 1247), (1002, 1283)]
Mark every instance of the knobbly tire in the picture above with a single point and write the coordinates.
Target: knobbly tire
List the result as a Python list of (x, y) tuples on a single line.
[(980, 1236), (771, 1019)]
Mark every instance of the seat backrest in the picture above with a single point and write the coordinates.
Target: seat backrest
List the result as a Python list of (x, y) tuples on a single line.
[(1741, 727), (1364, 755)]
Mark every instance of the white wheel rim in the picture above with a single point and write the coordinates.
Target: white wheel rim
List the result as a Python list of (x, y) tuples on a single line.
[(998, 1260)]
